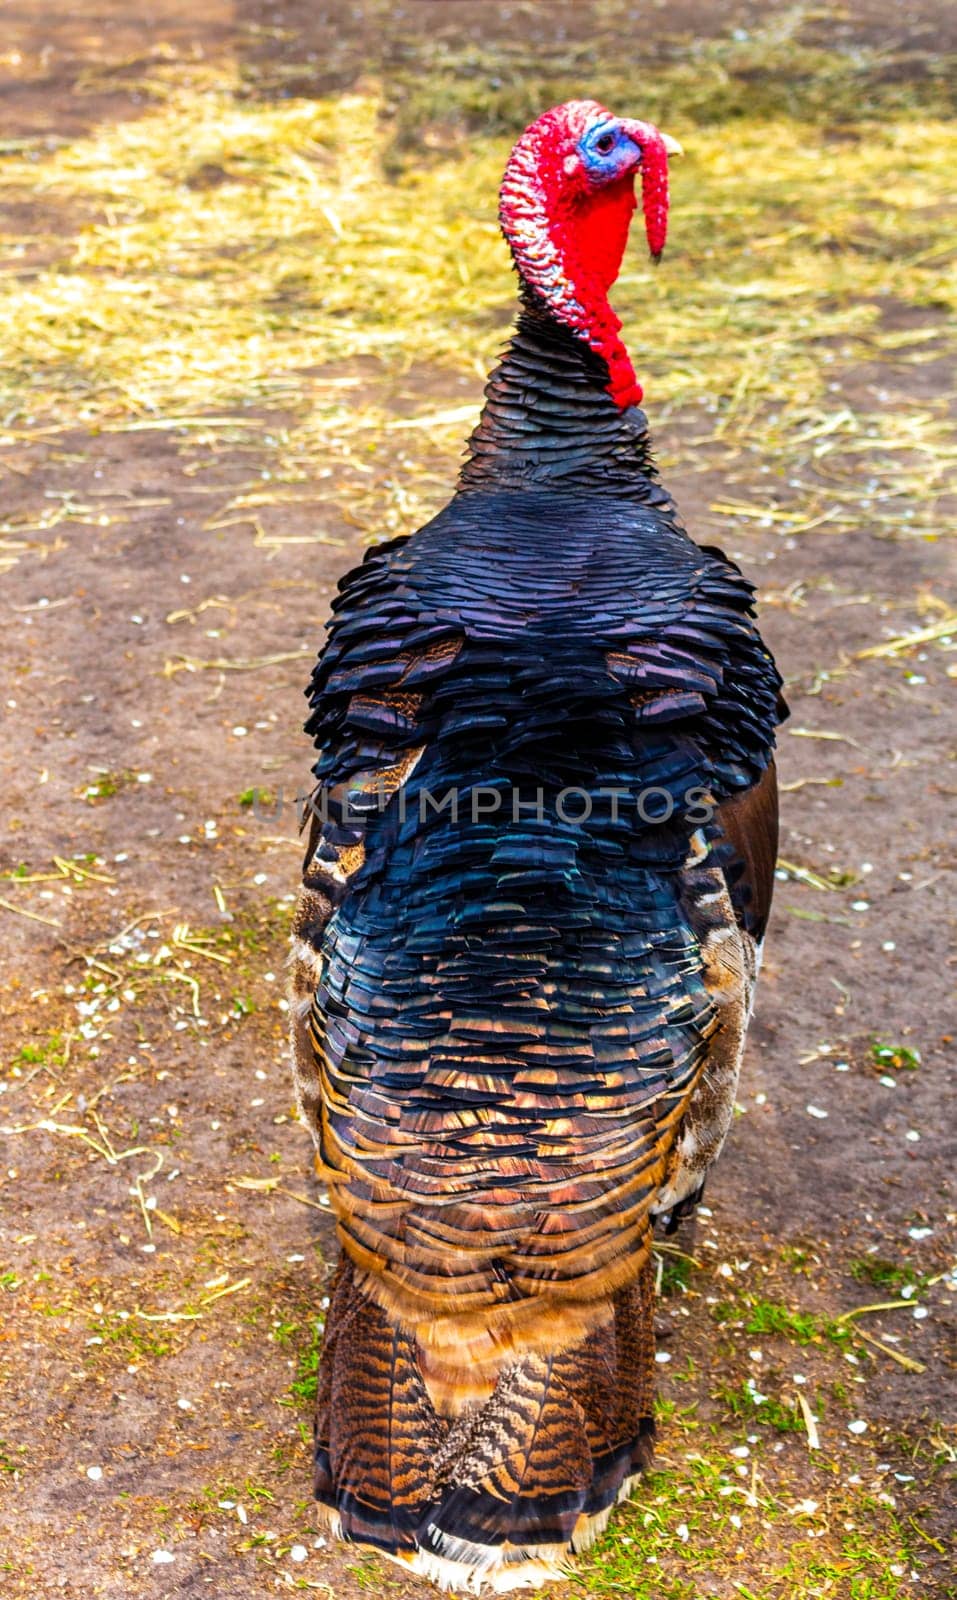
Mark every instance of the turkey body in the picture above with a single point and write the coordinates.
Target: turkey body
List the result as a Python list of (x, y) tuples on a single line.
[(539, 868)]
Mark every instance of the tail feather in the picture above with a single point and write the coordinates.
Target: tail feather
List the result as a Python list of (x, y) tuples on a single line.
[(376, 1430), (517, 1472), (501, 1492)]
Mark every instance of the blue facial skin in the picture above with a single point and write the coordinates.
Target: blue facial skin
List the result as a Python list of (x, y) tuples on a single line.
[(602, 164)]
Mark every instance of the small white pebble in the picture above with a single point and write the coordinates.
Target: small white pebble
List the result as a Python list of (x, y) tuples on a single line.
[(162, 1558), (912, 1136), (842, 1066), (860, 905), (240, 732), (662, 1357), (919, 1313), (858, 1426), (888, 945), (683, 1532), (815, 1111), (185, 1405), (888, 1082), (298, 1553), (95, 1473), (260, 877), (760, 1099), (741, 1451), (919, 1233), (799, 1377)]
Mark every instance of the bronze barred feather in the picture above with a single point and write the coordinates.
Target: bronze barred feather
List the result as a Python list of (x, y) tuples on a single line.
[(539, 867)]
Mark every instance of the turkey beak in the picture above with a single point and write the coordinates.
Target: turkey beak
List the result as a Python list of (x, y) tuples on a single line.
[(644, 134)]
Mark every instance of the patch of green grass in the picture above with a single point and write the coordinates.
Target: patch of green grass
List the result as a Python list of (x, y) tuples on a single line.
[(769, 1317), (258, 1493), (367, 1571), (894, 1057), (797, 1258), (129, 1337), (683, 1535), (256, 797), (885, 1274), (9, 1454), (42, 1052), (675, 1270), (106, 785), (284, 1333), (302, 1390), (746, 1402)]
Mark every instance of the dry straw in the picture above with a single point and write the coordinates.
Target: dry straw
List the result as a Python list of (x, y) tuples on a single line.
[(225, 253)]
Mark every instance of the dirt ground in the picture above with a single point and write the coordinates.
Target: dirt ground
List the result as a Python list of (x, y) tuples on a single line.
[(164, 1247)]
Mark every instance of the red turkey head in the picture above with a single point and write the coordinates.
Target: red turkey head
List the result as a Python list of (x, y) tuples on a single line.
[(566, 203)]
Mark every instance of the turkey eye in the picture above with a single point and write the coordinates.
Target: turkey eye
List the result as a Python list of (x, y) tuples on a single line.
[(605, 143)]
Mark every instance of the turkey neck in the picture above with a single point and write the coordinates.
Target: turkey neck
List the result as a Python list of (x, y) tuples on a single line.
[(549, 424)]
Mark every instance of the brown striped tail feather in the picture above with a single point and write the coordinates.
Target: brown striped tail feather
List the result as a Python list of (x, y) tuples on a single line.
[(501, 1492)]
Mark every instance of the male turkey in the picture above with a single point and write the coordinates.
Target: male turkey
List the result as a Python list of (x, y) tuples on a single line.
[(539, 869)]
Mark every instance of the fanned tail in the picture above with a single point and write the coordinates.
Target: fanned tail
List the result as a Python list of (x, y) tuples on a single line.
[(499, 1494)]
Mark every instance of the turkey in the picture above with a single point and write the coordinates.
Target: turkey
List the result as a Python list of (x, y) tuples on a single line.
[(539, 866)]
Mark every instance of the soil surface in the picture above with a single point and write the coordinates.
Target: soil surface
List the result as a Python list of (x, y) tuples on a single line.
[(164, 1249)]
